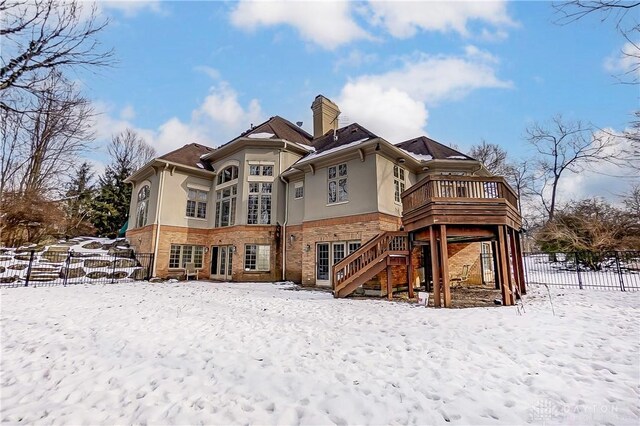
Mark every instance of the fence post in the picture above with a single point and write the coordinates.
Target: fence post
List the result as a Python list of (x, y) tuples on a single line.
[(619, 271), (26, 283), (578, 271), (113, 269), (66, 268)]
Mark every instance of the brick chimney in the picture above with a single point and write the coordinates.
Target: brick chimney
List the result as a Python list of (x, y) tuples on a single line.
[(325, 116)]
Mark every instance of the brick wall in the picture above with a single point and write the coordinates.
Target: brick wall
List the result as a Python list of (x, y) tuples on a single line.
[(461, 254), (293, 241), (141, 239), (350, 228), (237, 236)]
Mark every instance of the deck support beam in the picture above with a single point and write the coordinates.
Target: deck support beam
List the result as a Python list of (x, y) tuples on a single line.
[(505, 271), (444, 262), (523, 284), (389, 282), (410, 269), (435, 266), (514, 259)]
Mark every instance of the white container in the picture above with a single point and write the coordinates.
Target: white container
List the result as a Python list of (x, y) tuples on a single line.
[(423, 298)]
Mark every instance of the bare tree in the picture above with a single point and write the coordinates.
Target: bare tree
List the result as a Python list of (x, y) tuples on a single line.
[(492, 156), (39, 149), (40, 35), (11, 148), (130, 150), (565, 146), (58, 131), (616, 11)]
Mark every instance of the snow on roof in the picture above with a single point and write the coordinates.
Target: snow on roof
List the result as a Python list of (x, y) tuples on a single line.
[(308, 147), (419, 157), (336, 149), (261, 135), (457, 157)]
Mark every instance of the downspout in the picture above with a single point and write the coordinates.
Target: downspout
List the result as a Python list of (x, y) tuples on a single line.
[(158, 206), (283, 234)]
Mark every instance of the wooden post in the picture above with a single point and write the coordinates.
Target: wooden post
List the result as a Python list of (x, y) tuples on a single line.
[(444, 262), (523, 285), (505, 280), (410, 269), (514, 258), (495, 252), (435, 267), (389, 281)]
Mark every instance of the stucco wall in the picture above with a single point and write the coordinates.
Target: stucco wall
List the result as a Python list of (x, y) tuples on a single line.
[(361, 187)]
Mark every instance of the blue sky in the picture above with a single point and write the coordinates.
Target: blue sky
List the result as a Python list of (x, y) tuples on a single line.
[(458, 72)]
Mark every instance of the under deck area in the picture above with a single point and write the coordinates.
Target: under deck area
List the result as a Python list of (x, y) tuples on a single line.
[(444, 216)]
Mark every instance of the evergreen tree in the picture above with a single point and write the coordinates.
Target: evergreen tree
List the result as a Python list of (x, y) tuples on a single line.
[(111, 205), (78, 209)]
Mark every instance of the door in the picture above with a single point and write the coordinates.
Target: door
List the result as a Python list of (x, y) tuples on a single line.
[(327, 255), (322, 265), (221, 262)]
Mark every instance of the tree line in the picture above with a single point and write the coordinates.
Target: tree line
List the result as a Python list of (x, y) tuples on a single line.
[(46, 191), (555, 223)]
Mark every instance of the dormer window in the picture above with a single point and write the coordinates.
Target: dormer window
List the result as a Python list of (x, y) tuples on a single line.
[(228, 174)]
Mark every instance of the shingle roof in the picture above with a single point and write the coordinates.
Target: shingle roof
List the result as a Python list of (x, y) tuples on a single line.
[(189, 155), (425, 146), (343, 136), (277, 127)]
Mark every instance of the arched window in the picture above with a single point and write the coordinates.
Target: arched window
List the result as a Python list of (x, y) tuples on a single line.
[(143, 206), (228, 174)]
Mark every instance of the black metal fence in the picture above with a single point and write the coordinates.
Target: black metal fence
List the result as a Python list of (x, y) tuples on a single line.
[(617, 270), (33, 268)]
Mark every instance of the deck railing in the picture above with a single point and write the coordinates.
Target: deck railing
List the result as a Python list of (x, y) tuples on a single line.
[(457, 187)]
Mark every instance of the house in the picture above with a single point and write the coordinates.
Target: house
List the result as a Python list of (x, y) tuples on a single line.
[(277, 203)]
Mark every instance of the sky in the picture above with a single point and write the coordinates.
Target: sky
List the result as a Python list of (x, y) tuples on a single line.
[(458, 72)]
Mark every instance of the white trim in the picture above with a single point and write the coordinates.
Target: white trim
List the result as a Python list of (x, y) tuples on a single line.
[(198, 186)]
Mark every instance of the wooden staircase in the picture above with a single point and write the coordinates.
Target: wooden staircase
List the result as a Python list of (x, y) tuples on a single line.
[(382, 251)]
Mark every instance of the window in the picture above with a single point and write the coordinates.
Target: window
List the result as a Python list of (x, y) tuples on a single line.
[(180, 255), (143, 206), (258, 170), (298, 190), (226, 206), (256, 257), (259, 204), (337, 186), (228, 174), (197, 203), (353, 246), (398, 182)]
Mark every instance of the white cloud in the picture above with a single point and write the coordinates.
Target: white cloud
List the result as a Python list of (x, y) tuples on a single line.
[(222, 106), (386, 111), (625, 61), (326, 23), (331, 24), (128, 113), (394, 104), (403, 19), (220, 117)]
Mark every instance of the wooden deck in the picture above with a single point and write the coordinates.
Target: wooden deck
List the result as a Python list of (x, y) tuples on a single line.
[(460, 200)]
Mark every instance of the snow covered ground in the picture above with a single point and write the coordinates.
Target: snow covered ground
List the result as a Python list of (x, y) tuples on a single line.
[(218, 353)]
